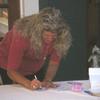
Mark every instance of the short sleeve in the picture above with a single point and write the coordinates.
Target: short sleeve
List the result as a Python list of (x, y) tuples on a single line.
[(16, 51), (55, 58)]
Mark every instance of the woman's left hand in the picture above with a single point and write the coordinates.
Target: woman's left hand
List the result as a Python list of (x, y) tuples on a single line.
[(48, 84)]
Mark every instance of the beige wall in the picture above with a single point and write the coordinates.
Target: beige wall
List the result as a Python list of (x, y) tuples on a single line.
[(28, 7)]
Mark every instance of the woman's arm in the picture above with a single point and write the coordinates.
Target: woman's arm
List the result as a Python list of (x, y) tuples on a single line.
[(50, 74), (20, 79), (51, 71)]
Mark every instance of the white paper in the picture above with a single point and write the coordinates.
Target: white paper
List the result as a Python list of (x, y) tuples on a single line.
[(17, 92)]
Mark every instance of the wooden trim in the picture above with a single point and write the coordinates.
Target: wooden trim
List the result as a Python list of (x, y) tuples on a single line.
[(3, 5), (13, 11)]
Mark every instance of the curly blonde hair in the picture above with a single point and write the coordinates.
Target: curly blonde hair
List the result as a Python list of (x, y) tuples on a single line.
[(48, 19)]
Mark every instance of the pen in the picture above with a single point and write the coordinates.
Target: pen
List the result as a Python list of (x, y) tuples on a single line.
[(35, 77), (89, 92)]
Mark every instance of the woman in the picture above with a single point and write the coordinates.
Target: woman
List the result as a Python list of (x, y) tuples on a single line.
[(26, 46)]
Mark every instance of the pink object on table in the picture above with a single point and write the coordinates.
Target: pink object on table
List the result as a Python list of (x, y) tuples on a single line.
[(76, 86)]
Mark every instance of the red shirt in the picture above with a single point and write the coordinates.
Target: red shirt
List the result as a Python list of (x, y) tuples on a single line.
[(16, 53)]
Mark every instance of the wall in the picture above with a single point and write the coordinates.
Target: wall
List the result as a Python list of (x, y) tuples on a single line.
[(98, 21), (28, 7), (74, 66)]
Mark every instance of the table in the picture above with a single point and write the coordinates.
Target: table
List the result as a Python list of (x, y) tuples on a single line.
[(17, 92)]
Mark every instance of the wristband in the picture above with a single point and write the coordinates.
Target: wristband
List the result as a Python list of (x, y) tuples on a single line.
[(50, 81)]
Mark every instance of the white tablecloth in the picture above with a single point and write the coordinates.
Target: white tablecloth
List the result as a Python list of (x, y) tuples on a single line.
[(17, 92)]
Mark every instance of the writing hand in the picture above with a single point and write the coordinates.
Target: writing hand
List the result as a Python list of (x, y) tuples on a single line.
[(35, 84)]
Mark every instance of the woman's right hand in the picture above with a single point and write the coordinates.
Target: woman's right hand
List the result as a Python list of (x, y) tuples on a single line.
[(35, 84), (20, 79)]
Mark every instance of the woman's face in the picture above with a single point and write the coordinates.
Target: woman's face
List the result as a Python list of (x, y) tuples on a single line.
[(49, 37)]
